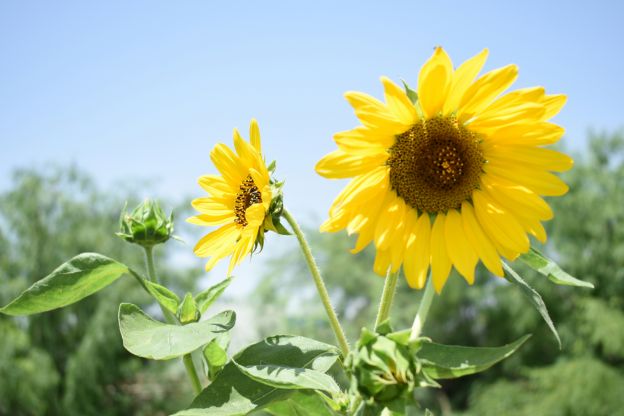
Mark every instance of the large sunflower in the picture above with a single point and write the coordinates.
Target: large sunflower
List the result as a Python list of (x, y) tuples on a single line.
[(239, 200), (451, 177)]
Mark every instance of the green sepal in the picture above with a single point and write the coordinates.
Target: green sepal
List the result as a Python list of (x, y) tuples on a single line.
[(549, 268), (411, 94), (215, 355), (290, 378), (146, 337), (187, 311), (207, 297), (452, 361), (533, 296), (82, 276), (165, 297)]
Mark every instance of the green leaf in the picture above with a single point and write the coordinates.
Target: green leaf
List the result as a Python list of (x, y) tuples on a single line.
[(148, 338), (234, 393), (451, 361), (207, 297), (165, 297), (533, 296), (542, 264), (80, 277), (293, 378), (215, 354), (302, 403)]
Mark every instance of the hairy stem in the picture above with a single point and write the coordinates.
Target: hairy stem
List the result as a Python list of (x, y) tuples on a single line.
[(423, 309), (320, 284), (387, 296)]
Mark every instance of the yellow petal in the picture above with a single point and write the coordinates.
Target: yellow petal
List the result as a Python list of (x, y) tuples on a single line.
[(440, 261), (212, 219), (254, 135), (208, 205), (526, 200), (242, 248), (553, 104), (462, 255), (363, 188), (382, 262), (339, 165), (228, 164), (418, 253), (254, 215), (529, 134), (537, 180), (388, 221), (373, 113), (499, 225), (215, 185), (541, 158), (398, 103), (221, 237), (434, 80), (480, 241), (249, 156), (484, 90), (362, 139), (461, 80)]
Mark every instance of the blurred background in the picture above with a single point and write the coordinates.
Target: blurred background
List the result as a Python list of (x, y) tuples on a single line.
[(111, 102)]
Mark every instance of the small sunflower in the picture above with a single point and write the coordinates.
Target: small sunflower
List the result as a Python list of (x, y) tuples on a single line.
[(239, 200), (450, 174)]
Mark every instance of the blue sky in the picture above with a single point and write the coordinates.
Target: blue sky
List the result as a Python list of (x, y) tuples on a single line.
[(144, 89)]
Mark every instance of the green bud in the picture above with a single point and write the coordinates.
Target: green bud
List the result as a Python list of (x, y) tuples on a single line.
[(382, 368), (147, 225), (188, 311)]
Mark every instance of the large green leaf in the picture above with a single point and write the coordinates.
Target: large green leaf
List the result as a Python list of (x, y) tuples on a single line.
[(207, 297), (451, 361), (533, 296), (80, 277), (148, 338), (301, 403), (234, 393), (542, 264), (295, 378)]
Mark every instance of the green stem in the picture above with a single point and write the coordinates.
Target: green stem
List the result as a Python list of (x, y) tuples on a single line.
[(192, 372), (387, 296), (423, 309), (320, 284), (171, 318)]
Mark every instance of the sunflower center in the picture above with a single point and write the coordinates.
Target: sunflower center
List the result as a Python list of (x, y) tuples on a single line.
[(247, 195), (435, 165)]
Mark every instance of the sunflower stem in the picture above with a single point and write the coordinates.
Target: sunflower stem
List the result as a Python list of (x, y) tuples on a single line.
[(423, 310), (192, 372), (320, 284), (171, 319), (387, 296)]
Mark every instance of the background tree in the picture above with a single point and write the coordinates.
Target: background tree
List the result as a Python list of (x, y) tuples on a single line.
[(71, 361)]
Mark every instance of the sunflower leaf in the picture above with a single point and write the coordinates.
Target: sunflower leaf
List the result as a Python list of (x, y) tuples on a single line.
[(74, 280), (207, 297), (543, 265), (145, 337), (234, 393), (533, 296), (452, 361)]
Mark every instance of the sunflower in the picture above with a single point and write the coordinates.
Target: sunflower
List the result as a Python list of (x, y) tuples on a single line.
[(450, 174), (239, 200)]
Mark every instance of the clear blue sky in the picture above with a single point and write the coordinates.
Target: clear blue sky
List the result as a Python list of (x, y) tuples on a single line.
[(146, 88)]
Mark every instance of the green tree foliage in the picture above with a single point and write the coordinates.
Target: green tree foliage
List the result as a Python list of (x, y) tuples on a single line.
[(71, 361), (585, 378)]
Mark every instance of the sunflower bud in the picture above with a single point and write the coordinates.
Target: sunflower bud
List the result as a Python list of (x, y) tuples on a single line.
[(188, 311), (147, 225), (382, 369)]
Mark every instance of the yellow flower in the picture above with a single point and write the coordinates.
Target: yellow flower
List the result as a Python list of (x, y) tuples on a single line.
[(239, 200), (451, 178)]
